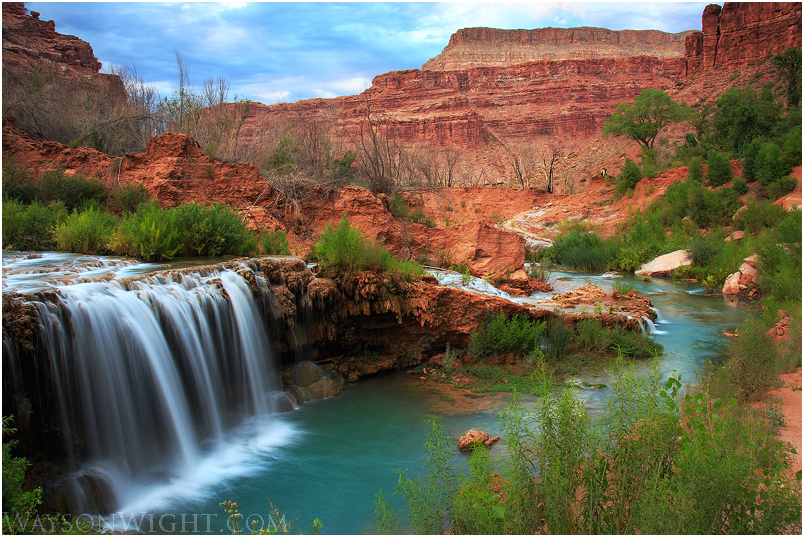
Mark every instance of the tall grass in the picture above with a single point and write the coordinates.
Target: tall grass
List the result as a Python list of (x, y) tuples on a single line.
[(497, 334), (344, 249), (86, 232), (645, 467)]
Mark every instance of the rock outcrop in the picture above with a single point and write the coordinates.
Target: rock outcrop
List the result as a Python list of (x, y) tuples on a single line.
[(740, 33), (476, 47), (744, 281), (663, 265), (475, 438)]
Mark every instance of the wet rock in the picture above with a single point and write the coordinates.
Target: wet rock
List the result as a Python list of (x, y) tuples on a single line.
[(302, 395), (323, 388), (469, 439), (306, 373), (492, 440), (665, 264)]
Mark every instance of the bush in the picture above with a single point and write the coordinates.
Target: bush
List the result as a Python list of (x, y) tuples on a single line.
[(211, 231), (719, 170), (753, 364), (149, 234), (273, 242), (792, 147), (497, 334), (583, 251), (703, 249), (695, 170), (759, 214), (342, 248), (85, 232), (18, 183), (740, 186), (31, 227), (629, 177), (750, 162), (771, 165), (399, 207), (73, 190), (781, 187), (128, 198)]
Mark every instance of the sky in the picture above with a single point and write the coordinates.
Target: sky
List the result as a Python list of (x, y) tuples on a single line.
[(286, 51)]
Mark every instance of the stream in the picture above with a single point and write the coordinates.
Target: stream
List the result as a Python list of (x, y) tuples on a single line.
[(327, 459)]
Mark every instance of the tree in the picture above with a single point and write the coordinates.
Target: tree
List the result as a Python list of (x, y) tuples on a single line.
[(651, 112), (789, 65), (743, 115), (719, 169)]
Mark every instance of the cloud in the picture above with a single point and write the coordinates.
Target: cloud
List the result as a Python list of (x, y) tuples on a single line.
[(300, 50)]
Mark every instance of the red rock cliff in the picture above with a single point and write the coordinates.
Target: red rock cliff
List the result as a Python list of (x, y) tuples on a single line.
[(744, 32), (475, 47)]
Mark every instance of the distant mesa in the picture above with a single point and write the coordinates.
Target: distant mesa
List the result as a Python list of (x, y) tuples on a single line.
[(475, 47)]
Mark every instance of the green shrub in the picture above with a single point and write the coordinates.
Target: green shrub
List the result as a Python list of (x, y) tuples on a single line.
[(211, 231), (55, 185), (781, 258), (771, 165), (719, 170), (273, 242), (621, 287), (31, 227), (399, 207), (629, 177), (344, 249), (753, 364), (781, 187), (750, 162), (497, 334), (583, 251), (740, 186), (703, 249), (792, 147), (558, 337), (759, 214), (128, 198), (85, 232), (149, 234), (17, 182), (16, 501), (695, 170)]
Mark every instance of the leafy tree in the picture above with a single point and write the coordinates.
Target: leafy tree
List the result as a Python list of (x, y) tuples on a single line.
[(789, 65), (695, 170), (629, 177), (750, 163), (651, 112), (771, 165), (792, 147), (743, 115), (719, 170)]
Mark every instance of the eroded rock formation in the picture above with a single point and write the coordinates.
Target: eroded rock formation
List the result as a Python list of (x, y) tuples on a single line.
[(475, 47)]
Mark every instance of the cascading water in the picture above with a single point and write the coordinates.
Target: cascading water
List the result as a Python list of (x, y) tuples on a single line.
[(150, 373)]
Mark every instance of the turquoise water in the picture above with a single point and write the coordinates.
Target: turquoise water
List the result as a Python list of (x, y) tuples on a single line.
[(345, 449)]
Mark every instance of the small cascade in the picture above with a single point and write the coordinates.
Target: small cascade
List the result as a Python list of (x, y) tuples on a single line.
[(150, 373)]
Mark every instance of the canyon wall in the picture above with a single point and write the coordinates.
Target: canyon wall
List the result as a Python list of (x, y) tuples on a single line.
[(741, 33), (491, 47)]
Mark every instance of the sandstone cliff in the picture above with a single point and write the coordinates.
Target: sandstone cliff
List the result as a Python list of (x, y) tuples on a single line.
[(744, 32), (476, 47)]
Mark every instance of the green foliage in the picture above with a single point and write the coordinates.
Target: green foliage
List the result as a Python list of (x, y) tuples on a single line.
[(753, 364), (759, 214), (273, 242), (789, 66), (781, 258), (695, 170), (743, 115), (18, 184), (85, 232), (583, 251), (17, 503), (645, 467), (55, 185), (629, 177), (497, 334), (211, 231), (557, 338), (282, 160), (740, 186), (31, 227), (128, 198), (702, 250), (651, 111), (719, 169), (750, 162), (399, 207), (781, 187), (792, 147), (770, 164), (149, 234), (621, 287), (344, 249)]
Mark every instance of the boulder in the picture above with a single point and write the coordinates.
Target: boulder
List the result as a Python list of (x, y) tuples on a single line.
[(471, 438), (323, 388), (306, 373), (665, 264), (744, 282), (735, 236)]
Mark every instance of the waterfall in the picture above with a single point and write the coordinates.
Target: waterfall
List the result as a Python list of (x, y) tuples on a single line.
[(151, 372)]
